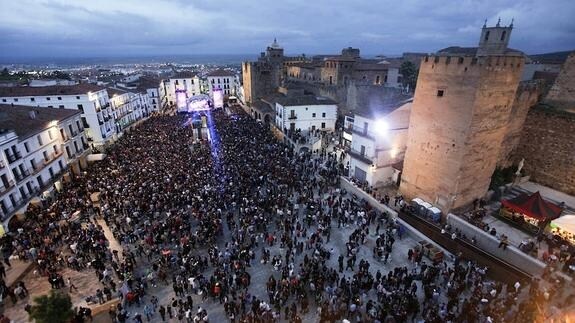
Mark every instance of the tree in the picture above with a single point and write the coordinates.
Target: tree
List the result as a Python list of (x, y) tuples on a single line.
[(61, 75), (5, 72), (52, 308), (409, 73)]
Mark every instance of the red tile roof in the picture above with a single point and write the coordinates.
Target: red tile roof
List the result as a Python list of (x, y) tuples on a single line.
[(17, 91)]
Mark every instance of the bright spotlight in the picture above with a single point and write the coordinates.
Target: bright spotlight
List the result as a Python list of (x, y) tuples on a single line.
[(381, 127)]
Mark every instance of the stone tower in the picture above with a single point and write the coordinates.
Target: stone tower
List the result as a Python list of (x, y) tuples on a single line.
[(494, 40), (461, 107)]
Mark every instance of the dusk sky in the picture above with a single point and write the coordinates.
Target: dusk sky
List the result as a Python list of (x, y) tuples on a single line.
[(80, 28)]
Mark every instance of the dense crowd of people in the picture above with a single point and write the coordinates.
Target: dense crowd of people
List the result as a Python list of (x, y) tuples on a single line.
[(200, 224)]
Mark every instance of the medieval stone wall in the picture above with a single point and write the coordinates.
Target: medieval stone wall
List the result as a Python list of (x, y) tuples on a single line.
[(562, 93), (527, 95), (548, 146)]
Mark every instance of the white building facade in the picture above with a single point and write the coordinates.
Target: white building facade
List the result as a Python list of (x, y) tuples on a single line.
[(378, 143), (91, 100), (45, 144), (224, 80), (183, 86), (128, 107), (306, 113)]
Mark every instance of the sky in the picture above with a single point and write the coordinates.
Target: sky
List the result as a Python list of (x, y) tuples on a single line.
[(108, 28)]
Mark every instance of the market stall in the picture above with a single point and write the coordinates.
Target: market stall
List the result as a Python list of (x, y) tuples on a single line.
[(564, 227), (531, 212)]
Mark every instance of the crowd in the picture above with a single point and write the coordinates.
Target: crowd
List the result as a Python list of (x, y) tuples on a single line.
[(244, 224)]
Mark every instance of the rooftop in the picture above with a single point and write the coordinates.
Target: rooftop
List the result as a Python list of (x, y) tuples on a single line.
[(303, 100), (472, 51), (184, 75), (375, 101), (220, 72), (115, 91), (17, 118), (16, 91), (262, 107)]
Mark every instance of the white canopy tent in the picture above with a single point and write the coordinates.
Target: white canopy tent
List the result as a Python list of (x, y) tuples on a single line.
[(95, 157), (566, 223)]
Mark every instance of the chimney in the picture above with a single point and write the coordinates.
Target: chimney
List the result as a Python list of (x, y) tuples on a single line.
[(32, 114)]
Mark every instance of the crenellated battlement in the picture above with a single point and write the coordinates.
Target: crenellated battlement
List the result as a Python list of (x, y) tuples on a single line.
[(458, 62)]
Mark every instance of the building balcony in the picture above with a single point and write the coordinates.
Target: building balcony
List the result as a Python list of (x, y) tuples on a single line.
[(19, 203), (6, 189), (359, 156), (13, 157), (37, 169), (65, 138), (362, 133), (23, 175), (292, 117), (85, 145), (74, 133), (52, 156)]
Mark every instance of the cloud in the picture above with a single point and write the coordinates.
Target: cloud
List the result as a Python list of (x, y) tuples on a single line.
[(143, 27)]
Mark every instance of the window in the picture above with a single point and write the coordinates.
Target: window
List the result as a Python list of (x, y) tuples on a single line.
[(26, 147), (362, 150), (323, 115), (377, 79), (45, 156), (503, 35), (323, 125), (50, 106), (32, 99), (3, 100), (48, 99), (313, 115), (15, 99), (439, 93), (60, 98), (81, 108), (50, 134), (487, 36), (39, 140), (61, 106), (77, 97)]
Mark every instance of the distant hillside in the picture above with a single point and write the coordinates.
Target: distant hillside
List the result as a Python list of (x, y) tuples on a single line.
[(551, 58)]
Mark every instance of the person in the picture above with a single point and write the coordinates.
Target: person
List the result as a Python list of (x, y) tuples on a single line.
[(71, 286), (503, 242), (162, 311)]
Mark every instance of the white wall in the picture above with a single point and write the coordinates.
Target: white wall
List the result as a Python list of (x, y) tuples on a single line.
[(43, 157), (383, 148), (191, 86), (95, 107), (226, 83), (393, 78), (305, 118)]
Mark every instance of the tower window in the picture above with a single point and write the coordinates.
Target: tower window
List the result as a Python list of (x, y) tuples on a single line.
[(487, 36), (439, 92), (503, 35)]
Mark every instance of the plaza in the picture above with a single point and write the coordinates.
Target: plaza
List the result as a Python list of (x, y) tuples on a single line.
[(196, 231)]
